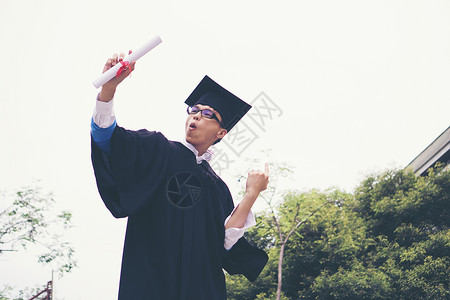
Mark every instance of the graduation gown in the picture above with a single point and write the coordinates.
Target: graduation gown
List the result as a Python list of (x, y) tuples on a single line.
[(176, 210)]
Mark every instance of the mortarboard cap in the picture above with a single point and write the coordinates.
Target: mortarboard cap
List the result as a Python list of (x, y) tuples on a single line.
[(231, 108)]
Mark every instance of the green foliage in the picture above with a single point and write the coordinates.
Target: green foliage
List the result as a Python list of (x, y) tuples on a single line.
[(388, 240), (399, 197), (27, 218), (10, 293), (332, 239), (358, 282)]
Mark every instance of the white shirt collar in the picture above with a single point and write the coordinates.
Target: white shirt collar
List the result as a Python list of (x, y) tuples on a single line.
[(206, 156)]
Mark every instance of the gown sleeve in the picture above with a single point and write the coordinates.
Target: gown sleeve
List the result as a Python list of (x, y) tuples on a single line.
[(130, 175), (245, 259)]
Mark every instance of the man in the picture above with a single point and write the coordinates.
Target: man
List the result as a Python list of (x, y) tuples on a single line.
[(182, 226)]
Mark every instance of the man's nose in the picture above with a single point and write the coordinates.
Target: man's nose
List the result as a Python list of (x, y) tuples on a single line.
[(198, 115)]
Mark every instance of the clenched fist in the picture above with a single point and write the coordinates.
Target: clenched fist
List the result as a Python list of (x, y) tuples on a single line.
[(109, 88), (257, 181)]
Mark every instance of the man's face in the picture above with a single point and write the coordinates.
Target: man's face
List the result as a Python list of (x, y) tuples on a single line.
[(202, 132)]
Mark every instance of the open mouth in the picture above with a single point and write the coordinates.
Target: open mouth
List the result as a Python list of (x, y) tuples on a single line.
[(192, 126)]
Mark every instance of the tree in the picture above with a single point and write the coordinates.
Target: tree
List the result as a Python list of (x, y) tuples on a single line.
[(288, 211), (26, 219), (303, 223), (407, 248), (296, 215), (9, 293), (390, 239), (408, 217)]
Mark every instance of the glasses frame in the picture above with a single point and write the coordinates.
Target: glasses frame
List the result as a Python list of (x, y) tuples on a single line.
[(213, 116)]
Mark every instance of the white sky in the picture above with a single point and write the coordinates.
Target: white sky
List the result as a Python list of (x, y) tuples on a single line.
[(363, 86)]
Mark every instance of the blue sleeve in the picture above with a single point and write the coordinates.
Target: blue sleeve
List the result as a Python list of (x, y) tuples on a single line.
[(102, 136)]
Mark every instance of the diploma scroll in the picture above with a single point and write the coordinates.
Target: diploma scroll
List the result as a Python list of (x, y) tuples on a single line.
[(111, 73)]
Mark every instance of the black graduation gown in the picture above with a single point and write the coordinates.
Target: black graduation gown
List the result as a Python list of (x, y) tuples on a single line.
[(175, 232)]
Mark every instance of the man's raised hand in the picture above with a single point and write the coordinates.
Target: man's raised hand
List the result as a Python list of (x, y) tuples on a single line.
[(108, 89), (257, 181)]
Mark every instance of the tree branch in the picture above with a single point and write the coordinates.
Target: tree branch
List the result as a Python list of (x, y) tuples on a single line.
[(7, 230), (274, 217), (296, 213), (304, 221)]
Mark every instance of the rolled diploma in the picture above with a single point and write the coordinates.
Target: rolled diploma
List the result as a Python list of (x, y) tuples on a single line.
[(111, 73)]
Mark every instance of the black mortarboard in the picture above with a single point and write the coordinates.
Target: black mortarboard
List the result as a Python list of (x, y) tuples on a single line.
[(231, 108)]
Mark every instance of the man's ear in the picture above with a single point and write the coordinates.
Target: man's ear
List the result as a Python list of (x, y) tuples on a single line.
[(222, 132)]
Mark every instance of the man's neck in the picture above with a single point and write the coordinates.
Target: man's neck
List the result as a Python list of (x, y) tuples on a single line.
[(197, 150), (201, 151)]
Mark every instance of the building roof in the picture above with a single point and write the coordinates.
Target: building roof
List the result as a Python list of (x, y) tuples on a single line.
[(437, 151)]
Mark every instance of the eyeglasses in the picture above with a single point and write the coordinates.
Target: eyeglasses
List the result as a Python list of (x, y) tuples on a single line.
[(206, 113)]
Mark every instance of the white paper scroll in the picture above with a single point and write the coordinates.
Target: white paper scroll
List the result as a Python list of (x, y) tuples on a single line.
[(108, 75)]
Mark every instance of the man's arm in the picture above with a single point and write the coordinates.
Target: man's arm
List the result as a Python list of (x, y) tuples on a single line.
[(257, 182), (103, 121), (109, 89), (101, 135)]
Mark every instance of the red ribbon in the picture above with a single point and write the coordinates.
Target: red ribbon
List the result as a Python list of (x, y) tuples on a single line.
[(123, 68)]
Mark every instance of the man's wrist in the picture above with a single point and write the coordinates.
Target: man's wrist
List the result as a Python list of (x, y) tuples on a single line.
[(251, 194), (106, 95)]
